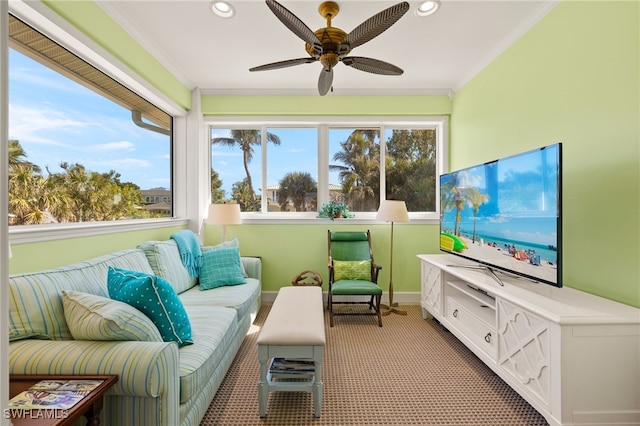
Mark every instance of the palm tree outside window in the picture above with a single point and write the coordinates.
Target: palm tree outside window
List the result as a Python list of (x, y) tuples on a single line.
[(304, 167)]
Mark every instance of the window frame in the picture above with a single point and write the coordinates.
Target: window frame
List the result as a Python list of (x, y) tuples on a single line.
[(43, 20), (324, 123)]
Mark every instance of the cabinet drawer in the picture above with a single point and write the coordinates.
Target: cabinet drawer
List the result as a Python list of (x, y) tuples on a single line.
[(482, 335)]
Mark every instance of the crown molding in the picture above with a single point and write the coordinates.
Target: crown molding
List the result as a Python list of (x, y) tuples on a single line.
[(337, 92)]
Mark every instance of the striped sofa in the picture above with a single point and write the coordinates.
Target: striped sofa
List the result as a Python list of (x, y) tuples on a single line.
[(159, 384)]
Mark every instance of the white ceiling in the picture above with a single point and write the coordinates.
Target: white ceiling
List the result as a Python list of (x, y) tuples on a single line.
[(438, 53)]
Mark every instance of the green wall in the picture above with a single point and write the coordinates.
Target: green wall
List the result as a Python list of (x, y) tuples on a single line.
[(326, 105), (50, 254), (287, 250), (573, 78)]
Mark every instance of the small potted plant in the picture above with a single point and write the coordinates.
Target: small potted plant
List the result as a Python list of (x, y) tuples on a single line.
[(334, 209)]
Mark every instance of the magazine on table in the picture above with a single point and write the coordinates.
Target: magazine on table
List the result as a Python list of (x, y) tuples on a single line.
[(53, 394), (292, 365)]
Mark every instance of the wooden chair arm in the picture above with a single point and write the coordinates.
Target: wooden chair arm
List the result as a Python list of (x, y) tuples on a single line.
[(375, 270)]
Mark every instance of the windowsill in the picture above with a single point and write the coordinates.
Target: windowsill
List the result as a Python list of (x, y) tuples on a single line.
[(309, 219), (36, 233), (24, 234)]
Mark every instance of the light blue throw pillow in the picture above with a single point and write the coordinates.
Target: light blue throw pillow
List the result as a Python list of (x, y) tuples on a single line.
[(154, 297), (231, 243), (221, 267)]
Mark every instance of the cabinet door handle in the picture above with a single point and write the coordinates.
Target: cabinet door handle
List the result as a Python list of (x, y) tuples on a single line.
[(455, 313), (487, 338)]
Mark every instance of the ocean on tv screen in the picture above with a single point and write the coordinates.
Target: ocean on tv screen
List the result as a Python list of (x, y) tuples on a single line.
[(506, 213)]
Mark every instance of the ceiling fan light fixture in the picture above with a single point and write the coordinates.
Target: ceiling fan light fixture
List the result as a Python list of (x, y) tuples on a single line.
[(428, 7), (330, 45), (222, 8)]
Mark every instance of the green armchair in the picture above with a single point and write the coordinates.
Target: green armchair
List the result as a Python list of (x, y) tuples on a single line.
[(353, 272)]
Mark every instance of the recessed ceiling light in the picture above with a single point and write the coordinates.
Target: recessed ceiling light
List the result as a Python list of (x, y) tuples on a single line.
[(222, 9), (428, 7)]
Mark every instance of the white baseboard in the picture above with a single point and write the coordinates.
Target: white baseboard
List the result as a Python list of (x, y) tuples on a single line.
[(403, 298)]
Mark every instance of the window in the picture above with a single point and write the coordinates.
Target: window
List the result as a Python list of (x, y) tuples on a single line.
[(292, 169), (236, 164), (354, 167), (411, 167), (298, 165), (82, 147)]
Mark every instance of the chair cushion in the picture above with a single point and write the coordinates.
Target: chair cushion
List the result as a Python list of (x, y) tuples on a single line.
[(93, 317), (349, 246), (156, 299), (352, 270), (349, 236), (221, 267), (355, 287)]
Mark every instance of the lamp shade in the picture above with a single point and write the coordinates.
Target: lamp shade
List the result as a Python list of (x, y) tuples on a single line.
[(393, 211), (224, 214)]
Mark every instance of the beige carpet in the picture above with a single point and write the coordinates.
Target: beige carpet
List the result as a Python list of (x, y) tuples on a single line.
[(409, 372)]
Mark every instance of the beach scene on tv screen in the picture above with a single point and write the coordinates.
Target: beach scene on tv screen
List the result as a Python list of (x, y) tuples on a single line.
[(505, 213)]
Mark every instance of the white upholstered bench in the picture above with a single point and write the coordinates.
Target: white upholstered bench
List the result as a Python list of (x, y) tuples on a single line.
[(293, 329)]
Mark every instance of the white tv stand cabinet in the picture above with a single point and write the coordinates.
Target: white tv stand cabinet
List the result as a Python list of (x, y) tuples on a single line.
[(573, 356)]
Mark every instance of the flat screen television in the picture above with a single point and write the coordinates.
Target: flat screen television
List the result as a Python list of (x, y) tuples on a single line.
[(506, 215)]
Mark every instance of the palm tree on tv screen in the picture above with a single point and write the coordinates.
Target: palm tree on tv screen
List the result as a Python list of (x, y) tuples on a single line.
[(476, 199)]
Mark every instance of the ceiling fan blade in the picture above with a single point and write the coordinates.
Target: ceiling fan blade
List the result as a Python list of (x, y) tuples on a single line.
[(325, 81), (283, 64), (375, 25), (294, 23), (373, 66)]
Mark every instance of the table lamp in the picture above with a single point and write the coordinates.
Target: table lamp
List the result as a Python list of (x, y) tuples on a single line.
[(224, 214), (392, 211)]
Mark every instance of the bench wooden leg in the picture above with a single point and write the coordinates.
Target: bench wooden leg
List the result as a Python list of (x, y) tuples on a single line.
[(263, 388), (318, 386)]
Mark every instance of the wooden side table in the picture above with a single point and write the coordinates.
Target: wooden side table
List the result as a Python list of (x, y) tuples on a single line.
[(89, 406)]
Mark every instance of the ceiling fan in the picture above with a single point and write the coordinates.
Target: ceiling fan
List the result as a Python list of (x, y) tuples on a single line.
[(331, 45)]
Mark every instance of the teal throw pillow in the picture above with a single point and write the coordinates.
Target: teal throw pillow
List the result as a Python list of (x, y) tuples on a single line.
[(352, 270), (221, 267), (231, 243), (93, 317), (155, 298)]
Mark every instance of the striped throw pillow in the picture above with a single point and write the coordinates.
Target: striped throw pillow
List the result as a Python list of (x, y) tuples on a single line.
[(93, 317)]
